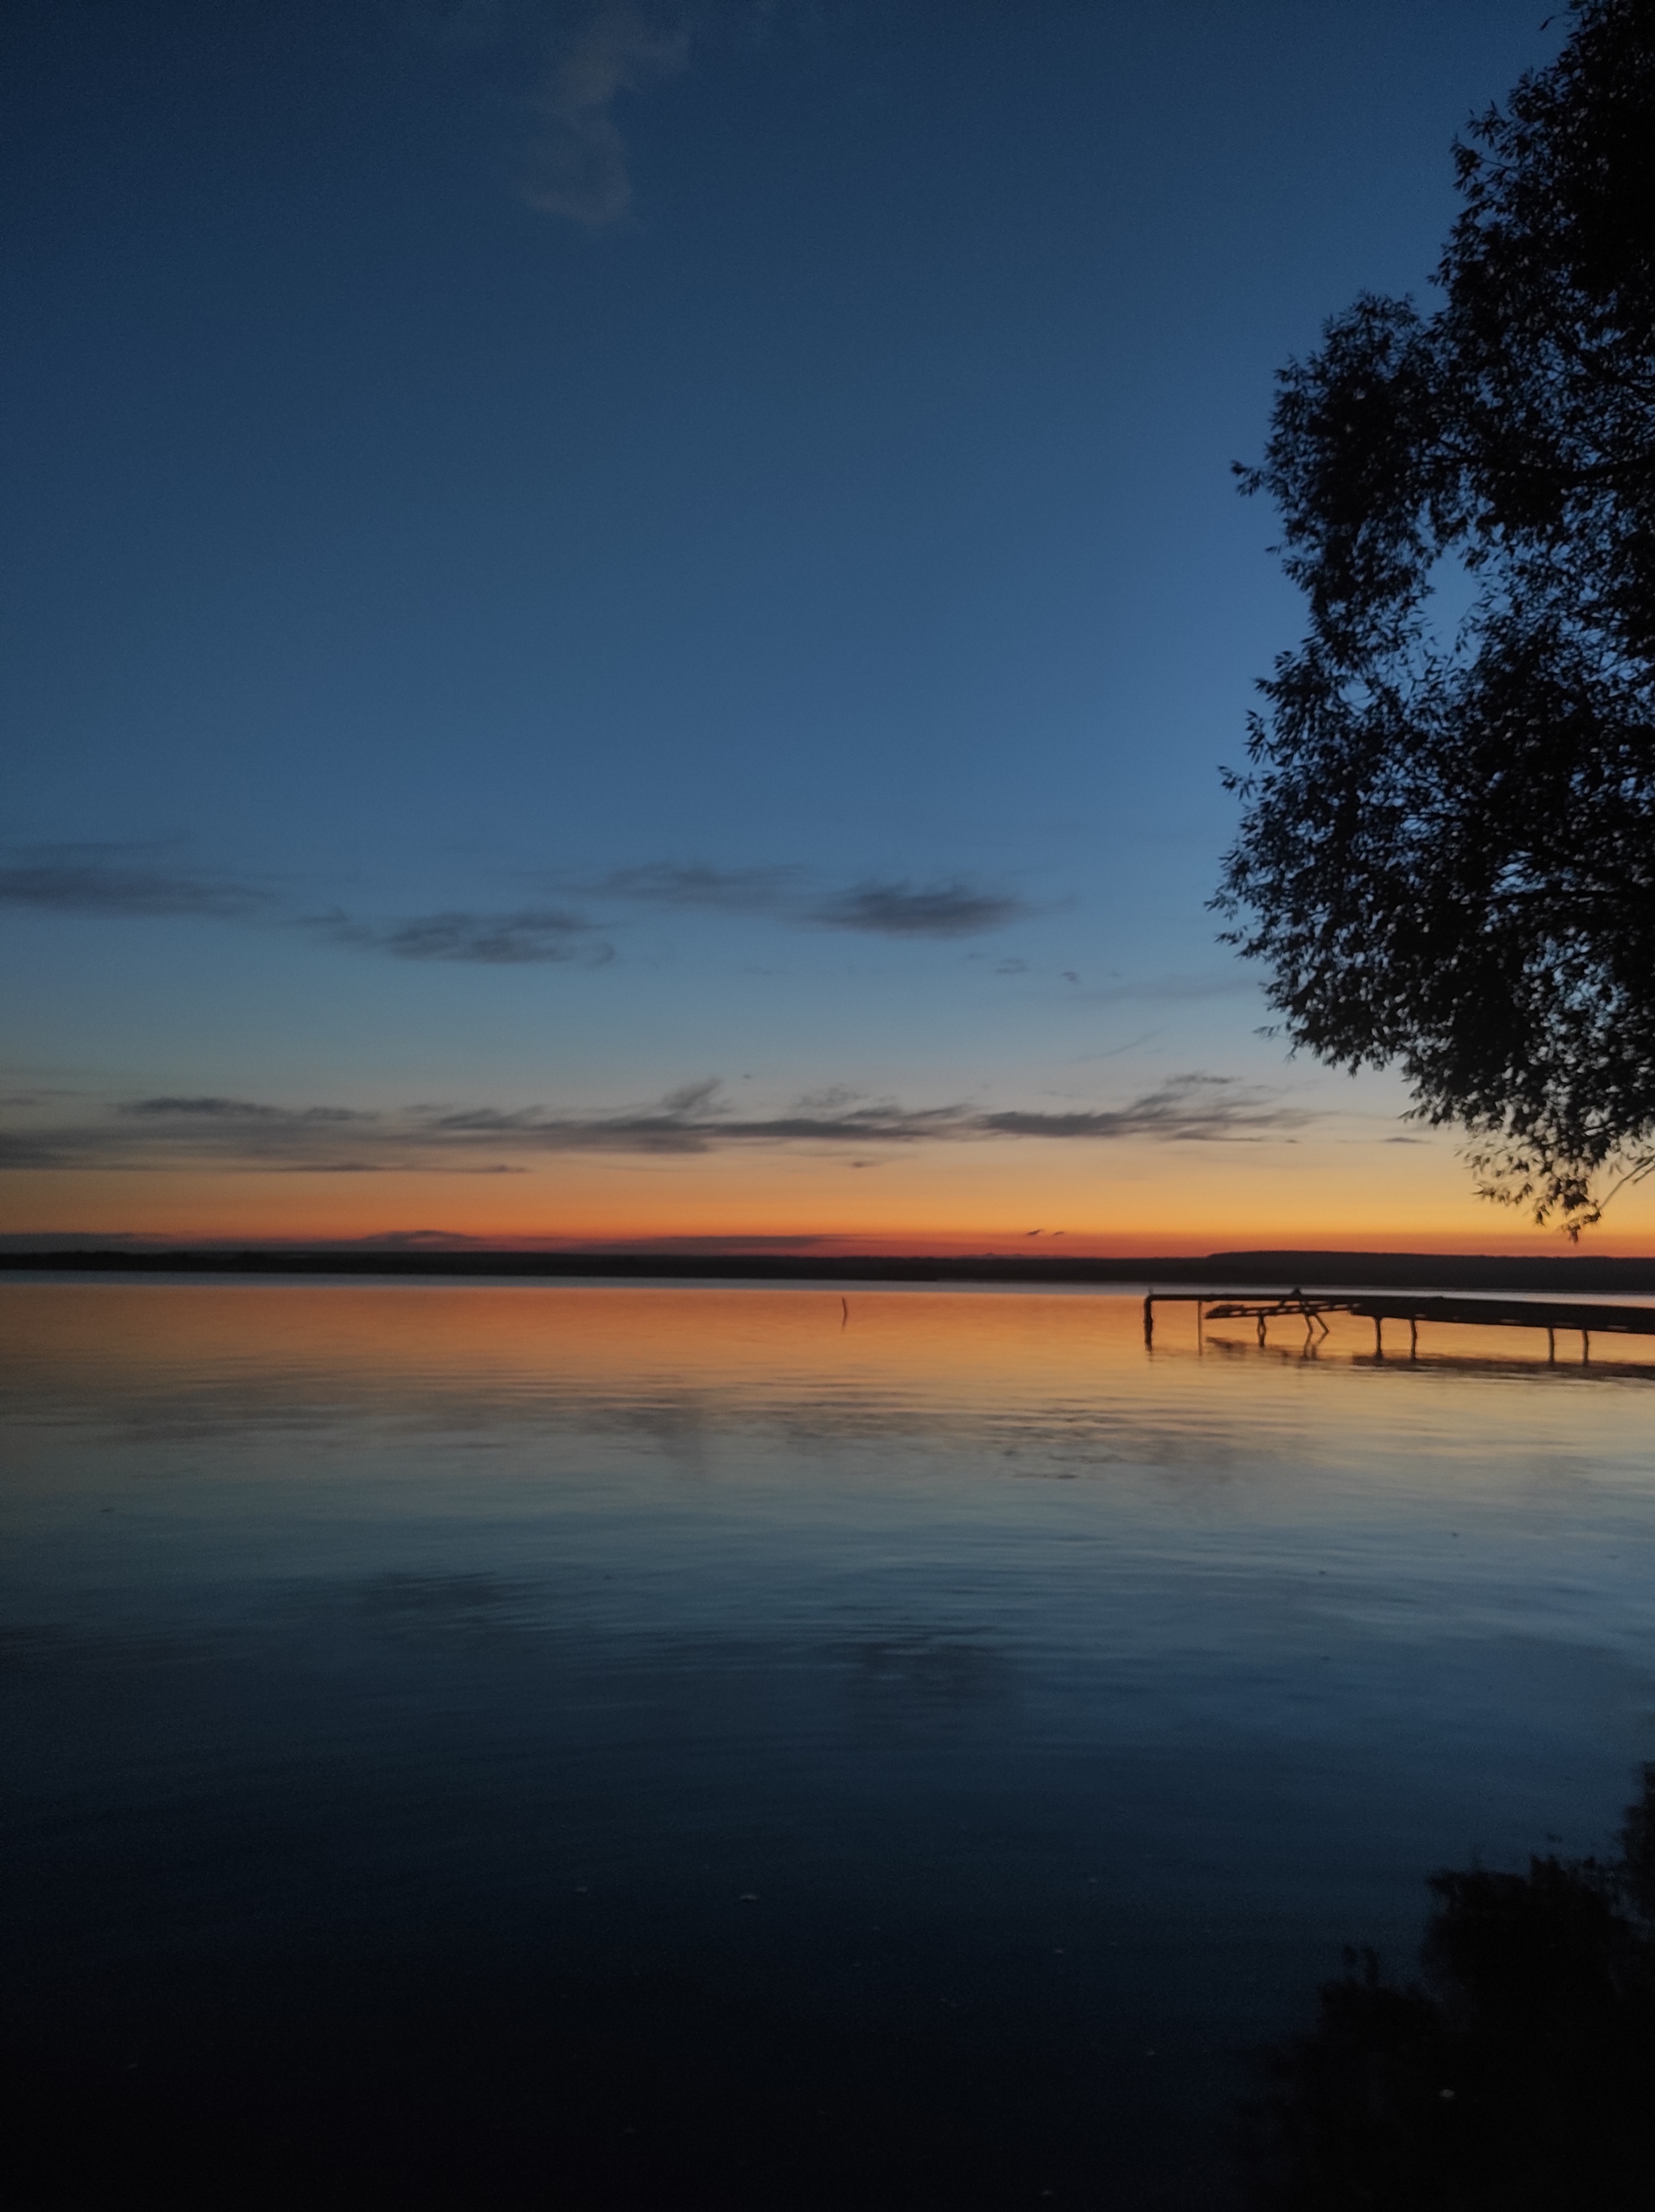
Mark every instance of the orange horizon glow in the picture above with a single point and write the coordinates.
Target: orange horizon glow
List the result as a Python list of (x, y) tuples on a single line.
[(1120, 1201), (257, 1226)]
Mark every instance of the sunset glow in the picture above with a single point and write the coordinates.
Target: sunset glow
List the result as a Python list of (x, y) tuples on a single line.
[(661, 671)]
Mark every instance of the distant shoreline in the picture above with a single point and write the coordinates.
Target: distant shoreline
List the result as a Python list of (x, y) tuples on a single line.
[(1582, 1273)]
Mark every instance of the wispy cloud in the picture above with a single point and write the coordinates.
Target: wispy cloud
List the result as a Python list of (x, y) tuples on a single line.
[(718, 890), (578, 167), (693, 1121), (241, 1133), (531, 935), (879, 907), (123, 880), (128, 882), (238, 1135), (1186, 1110), (904, 909), (131, 882), (236, 1110)]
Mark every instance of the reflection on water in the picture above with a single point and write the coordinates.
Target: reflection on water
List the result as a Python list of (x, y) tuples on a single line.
[(1514, 2076), (611, 1746)]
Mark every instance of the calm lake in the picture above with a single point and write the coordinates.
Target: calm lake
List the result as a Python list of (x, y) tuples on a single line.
[(616, 1746)]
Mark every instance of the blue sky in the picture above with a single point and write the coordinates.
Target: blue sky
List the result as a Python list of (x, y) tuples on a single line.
[(559, 552)]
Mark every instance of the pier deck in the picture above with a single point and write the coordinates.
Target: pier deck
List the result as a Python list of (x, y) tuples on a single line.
[(1572, 1316)]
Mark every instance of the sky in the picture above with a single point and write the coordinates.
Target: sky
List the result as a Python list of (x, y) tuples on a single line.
[(622, 618)]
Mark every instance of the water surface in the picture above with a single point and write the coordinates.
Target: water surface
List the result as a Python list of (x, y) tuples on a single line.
[(607, 1746)]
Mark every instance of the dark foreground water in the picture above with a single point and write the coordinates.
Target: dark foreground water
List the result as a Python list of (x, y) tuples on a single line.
[(615, 1747)]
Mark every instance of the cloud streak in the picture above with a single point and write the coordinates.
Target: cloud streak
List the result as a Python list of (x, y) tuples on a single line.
[(902, 909), (531, 936), (126, 882), (122, 881), (134, 882), (715, 890), (953, 906), (213, 1132)]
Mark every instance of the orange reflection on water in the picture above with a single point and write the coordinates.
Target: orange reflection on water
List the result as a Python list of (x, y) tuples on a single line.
[(605, 1342), (321, 1345)]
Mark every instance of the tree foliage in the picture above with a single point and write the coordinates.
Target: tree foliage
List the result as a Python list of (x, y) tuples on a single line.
[(1447, 852)]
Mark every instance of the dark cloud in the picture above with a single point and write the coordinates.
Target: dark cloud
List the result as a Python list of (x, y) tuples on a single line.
[(891, 908), (1186, 1110), (531, 935), (905, 909), (400, 1166), (20, 1149), (828, 1101), (692, 1098), (696, 1119), (416, 1240), (239, 1109), (209, 1130), (126, 882), (122, 880)]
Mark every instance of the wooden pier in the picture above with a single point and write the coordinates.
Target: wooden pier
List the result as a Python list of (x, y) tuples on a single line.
[(1309, 1307)]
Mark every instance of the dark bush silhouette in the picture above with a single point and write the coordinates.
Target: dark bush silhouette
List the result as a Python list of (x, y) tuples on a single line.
[(1518, 2073)]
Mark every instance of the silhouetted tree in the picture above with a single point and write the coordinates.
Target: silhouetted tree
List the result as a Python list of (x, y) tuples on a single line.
[(1447, 855), (1518, 2076)]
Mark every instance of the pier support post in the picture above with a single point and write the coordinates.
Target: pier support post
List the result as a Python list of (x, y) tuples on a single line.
[(1585, 1345), (1149, 1317), (1413, 1338), (1551, 1347), (1379, 1338)]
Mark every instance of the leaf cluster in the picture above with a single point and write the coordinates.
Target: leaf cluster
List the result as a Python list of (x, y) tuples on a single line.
[(1447, 852)]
